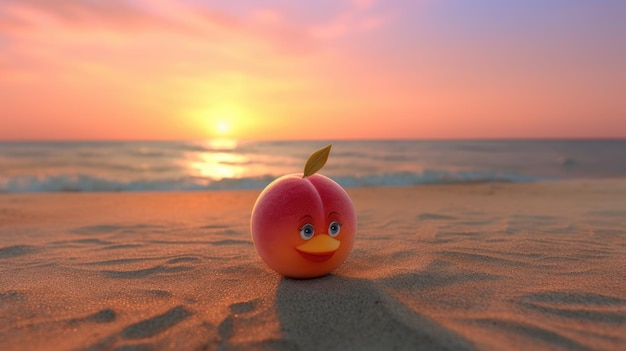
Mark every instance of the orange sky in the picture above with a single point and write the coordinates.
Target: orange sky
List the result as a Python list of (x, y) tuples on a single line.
[(166, 69)]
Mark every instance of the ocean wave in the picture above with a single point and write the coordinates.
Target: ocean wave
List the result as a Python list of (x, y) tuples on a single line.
[(89, 183), (432, 177)]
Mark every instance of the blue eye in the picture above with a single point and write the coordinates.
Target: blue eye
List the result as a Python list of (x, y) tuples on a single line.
[(307, 231), (334, 228)]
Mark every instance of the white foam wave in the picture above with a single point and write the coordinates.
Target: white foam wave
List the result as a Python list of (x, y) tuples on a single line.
[(88, 183)]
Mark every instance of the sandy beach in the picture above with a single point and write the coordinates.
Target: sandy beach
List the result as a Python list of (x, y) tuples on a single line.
[(525, 266)]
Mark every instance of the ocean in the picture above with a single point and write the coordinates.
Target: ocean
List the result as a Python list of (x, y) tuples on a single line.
[(231, 164)]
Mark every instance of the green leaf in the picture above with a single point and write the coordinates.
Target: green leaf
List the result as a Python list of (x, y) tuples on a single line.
[(316, 161)]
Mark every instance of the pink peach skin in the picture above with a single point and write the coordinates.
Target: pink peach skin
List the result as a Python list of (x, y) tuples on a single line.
[(285, 207)]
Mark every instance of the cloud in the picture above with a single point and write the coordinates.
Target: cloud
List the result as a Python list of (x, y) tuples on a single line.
[(173, 43), (113, 15), (265, 23), (78, 12), (348, 24), (360, 17), (362, 4)]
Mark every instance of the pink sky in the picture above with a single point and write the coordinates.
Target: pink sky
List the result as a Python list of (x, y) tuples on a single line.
[(166, 69)]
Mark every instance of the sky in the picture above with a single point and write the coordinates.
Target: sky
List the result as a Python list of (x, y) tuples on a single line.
[(343, 69)]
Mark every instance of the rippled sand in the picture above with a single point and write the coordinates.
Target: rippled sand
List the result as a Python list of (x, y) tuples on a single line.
[(460, 267)]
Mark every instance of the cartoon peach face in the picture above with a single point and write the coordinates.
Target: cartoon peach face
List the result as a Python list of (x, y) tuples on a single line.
[(303, 226)]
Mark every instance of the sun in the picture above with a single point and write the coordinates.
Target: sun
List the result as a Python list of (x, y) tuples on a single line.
[(222, 127)]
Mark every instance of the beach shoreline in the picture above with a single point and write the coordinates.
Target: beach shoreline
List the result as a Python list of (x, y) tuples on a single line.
[(460, 266)]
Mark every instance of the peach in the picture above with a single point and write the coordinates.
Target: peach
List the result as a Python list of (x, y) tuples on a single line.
[(303, 225)]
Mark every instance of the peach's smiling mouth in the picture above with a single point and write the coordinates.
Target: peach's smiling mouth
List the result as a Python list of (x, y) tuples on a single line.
[(321, 257)]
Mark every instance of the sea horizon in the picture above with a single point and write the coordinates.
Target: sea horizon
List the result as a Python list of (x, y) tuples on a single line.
[(148, 140)]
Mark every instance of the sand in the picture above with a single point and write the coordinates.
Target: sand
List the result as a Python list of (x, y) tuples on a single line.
[(459, 267)]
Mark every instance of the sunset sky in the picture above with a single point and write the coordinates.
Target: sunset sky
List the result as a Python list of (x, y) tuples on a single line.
[(172, 69)]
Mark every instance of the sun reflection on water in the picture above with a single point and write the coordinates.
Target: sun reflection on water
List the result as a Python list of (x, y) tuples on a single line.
[(212, 161), (221, 144), (216, 165)]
